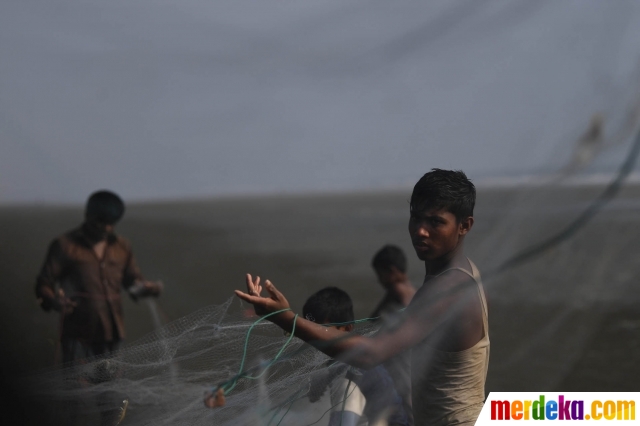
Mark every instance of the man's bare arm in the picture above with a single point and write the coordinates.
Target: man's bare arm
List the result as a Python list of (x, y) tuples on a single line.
[(360, 351)]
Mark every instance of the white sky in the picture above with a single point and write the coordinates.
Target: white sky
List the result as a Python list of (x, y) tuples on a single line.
[(194, 98)]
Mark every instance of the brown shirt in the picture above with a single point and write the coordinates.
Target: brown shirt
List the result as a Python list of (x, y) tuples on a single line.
[(94, 284)]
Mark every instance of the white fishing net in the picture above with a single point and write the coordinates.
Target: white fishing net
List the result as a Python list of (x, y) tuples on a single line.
[(162, 378)]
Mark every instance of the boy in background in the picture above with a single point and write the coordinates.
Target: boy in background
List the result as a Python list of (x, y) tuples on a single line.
[(390, 266), (370, 393)]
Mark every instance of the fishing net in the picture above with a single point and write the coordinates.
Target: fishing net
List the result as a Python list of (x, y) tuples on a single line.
[(270, 378)]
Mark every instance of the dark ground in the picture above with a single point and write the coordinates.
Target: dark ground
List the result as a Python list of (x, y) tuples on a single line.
[(567, 321)]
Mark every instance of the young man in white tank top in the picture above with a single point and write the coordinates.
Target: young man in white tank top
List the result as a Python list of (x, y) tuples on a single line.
[(445, 326)]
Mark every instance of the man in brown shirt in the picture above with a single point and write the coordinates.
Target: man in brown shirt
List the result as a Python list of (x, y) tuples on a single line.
[(82, 277)]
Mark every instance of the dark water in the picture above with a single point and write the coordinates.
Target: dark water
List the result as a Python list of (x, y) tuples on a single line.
[(568, 321)]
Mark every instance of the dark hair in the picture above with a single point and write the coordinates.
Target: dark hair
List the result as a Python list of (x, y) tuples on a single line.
[(105, 206), (445, 189), (329, 304), (390, 256)]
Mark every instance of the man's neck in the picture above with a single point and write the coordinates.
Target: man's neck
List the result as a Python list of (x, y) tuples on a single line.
[(454, 259), (91, 238)]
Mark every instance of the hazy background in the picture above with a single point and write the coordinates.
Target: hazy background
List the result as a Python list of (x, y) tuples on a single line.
[(162, 99)]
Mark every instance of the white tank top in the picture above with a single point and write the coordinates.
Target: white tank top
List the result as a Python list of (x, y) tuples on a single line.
[(448, 388)]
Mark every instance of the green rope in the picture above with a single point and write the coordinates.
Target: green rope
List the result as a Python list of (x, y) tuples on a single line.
[(285, 413), (293, 330), (279, 408), (358, 321), (230, 384)]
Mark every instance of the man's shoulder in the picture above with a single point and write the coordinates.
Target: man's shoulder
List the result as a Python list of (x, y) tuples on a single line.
[(72, 236), (120, 241), (452, 280), (459, 273), (64, 244)]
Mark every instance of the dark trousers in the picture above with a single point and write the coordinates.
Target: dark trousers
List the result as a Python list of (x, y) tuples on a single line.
[(109, 403)]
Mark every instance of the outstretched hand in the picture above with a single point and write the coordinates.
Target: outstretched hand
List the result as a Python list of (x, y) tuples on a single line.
[(274, 301)]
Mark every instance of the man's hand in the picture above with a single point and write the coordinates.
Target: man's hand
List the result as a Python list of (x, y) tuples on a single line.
[(263, 305), (153, 288), (213, 400), (142, 289), (63, 304)]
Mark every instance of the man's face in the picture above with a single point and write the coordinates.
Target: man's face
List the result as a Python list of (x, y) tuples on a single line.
[(384, 276), (436, 232), (388, 276)]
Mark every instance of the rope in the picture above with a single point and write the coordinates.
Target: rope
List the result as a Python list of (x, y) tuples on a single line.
[(228, 385), (581, 221)]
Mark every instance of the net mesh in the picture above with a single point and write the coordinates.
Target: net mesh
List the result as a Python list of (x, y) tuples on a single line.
[(163, 377)]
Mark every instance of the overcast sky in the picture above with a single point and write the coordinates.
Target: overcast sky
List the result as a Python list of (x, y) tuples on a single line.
[(197, 98)]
